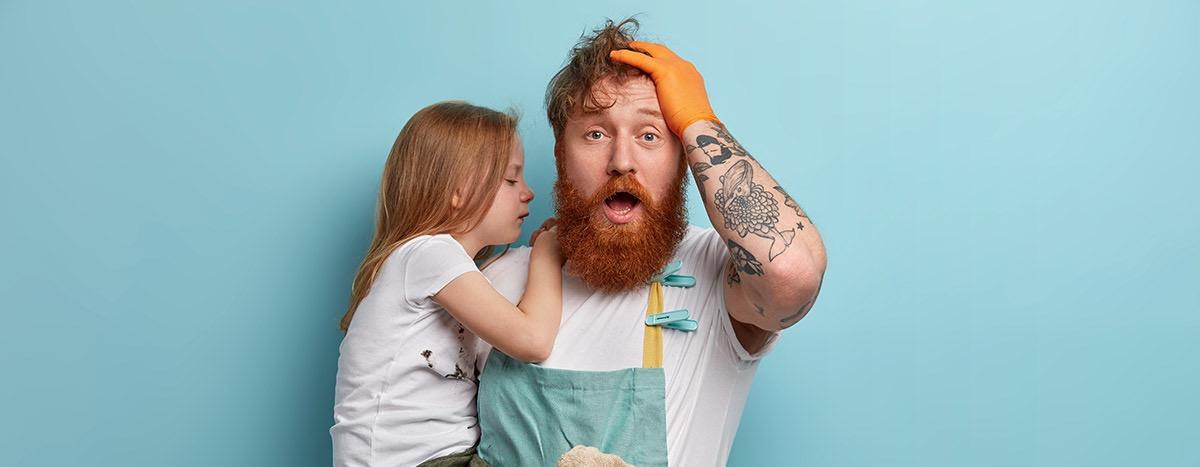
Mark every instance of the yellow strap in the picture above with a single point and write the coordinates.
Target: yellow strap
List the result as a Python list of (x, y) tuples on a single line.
[(652, 340)]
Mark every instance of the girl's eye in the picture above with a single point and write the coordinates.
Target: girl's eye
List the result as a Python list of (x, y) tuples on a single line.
[(595, 134), (649, 137), (511, 182)]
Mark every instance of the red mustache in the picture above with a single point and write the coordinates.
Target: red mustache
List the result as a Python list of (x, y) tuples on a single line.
[(621, 183)]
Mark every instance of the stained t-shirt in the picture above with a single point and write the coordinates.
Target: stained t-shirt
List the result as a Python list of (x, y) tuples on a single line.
[(407, 374)]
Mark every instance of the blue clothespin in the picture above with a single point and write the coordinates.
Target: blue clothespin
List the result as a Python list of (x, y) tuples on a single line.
[(666, 317), (669, 269), (668, 278), (686, 325), (678, 280), (674, 319)]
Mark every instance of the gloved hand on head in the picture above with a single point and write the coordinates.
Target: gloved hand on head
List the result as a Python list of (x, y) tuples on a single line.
[(679, 86)]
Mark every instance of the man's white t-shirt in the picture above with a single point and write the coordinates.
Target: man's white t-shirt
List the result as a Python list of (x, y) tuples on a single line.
[(708, 372), (407, 373)]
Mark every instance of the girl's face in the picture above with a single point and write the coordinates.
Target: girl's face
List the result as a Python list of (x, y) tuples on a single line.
[(502, 222)]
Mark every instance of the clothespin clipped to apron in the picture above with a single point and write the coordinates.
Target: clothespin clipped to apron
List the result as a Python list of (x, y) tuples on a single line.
[(669, 279), (674, 319), (656, 319)]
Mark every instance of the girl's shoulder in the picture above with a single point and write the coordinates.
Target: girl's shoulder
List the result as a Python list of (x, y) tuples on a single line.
[(429, 245), (426, 252), (423, 265)]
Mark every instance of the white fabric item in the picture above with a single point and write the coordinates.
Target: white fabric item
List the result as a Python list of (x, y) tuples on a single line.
[(407, 373), (708, 373)]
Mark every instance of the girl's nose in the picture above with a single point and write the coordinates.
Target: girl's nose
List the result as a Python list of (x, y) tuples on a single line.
[(527, 195)]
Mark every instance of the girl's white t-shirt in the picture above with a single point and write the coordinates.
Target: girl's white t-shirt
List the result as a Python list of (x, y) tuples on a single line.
[(407, 371)]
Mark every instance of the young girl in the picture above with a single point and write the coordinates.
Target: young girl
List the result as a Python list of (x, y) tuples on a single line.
[(407, 376)]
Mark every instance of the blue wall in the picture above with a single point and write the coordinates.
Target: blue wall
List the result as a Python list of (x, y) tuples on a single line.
[(1007, 193)]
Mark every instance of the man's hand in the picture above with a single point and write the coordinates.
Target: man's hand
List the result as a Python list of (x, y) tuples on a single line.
[(679, 86)]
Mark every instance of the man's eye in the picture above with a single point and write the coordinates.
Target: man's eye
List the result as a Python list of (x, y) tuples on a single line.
[(649, 137), (595, 134)]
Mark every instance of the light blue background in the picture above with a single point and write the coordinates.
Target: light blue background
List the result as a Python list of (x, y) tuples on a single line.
[(1007, 192)]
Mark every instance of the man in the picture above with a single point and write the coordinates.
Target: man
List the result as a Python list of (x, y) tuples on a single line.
[(629, 120)]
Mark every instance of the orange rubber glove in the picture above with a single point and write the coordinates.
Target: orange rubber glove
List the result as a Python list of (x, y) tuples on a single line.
[(679, 86)]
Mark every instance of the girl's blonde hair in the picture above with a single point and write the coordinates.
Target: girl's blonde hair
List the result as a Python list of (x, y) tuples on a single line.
[(445, 147)]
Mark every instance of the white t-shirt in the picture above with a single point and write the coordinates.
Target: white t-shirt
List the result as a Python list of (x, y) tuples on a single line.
[(708, 372), (407, 373)]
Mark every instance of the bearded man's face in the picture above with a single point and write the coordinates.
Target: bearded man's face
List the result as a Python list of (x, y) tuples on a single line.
[(620, 190)]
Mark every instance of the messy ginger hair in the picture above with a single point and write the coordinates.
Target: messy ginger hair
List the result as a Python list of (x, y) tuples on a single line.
[(572, 89)]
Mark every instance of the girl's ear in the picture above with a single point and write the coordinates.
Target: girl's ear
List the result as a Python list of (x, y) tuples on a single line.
[(456, 199)]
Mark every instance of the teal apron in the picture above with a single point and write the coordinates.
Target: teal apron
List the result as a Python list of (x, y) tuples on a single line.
[(531, 415)]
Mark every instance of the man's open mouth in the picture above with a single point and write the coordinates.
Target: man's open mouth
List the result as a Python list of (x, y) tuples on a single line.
[(621, 207)]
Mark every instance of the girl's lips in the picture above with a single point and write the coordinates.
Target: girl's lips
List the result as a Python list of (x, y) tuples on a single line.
[(621, 217)]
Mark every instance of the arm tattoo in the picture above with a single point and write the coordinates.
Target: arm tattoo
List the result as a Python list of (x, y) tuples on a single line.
[(716, 151), (792, 318), (741, 260), (700, 178), (747, 208), (734, 146), (791, 203), (732, 276), (718, 148)]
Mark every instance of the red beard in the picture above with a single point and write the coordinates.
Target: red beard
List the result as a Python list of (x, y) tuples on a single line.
[(618, 257)]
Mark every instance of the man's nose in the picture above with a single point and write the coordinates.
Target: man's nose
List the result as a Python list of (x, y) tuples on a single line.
[(621, 160)]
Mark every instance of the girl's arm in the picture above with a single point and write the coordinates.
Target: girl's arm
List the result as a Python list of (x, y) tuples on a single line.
[(525, 331)]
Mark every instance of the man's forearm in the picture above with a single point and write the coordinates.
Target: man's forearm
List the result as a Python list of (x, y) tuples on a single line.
[(777, 254)]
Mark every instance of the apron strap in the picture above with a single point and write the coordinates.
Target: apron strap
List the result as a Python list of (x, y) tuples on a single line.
[(652, 340)]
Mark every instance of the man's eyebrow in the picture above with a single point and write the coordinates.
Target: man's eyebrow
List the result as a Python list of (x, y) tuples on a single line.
[(653, 112)]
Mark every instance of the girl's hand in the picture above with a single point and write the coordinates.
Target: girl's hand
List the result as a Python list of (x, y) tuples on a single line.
[(547, 225), (545, 240)]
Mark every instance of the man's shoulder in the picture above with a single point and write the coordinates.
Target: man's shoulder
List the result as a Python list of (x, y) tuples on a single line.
[(703, 245), (699, 236), (511, 258), (509, 272)]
